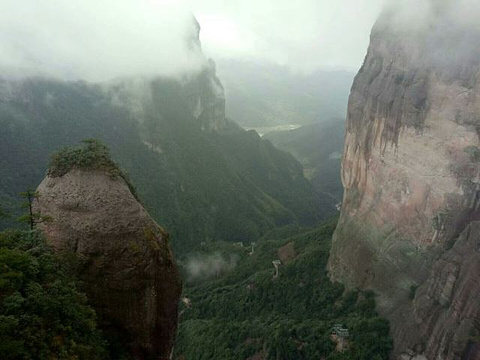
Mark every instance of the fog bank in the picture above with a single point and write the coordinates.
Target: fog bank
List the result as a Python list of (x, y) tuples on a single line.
[(96, 40), (204, 266)]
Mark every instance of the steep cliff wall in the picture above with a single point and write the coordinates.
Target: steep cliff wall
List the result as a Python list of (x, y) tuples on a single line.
[(411, 177), (124, 257)]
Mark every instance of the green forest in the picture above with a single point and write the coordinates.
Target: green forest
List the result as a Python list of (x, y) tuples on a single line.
[(212, 191), (246, 313), (43, 314), (241, 311), (229, 185), (318, 147)]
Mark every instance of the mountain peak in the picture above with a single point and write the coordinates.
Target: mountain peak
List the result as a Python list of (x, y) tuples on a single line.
[(124, 257)]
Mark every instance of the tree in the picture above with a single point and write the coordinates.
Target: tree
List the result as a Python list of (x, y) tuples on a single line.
[(32, 218), (43, 314), (3, 214)]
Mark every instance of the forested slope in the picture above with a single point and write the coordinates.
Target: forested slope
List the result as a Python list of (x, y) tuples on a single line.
[(225, 184), (247, 313), (319, 148)]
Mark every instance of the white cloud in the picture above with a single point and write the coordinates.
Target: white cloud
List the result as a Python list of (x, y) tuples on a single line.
[(102, 39), (95, 39), (303, 34)]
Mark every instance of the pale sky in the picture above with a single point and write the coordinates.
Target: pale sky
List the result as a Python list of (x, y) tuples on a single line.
[(102, 39), (305, 34)]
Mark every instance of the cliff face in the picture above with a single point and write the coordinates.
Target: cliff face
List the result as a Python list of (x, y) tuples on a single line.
[(411, 176), (201, 91), (206, 98), (124, 258)]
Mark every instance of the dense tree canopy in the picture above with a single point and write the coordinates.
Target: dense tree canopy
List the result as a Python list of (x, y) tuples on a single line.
[(43, 315), (247, 312)]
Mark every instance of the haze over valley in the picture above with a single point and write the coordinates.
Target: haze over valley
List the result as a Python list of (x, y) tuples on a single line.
[(211, 180)]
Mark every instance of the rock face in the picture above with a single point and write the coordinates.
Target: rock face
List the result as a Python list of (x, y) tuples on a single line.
[(204, 91), (126, 264), (410, 170), (201, 90), (206, 98)]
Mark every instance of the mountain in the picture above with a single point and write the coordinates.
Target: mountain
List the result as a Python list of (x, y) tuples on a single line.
[(319, 148), (409, 225), (198, 174), (265, 95), (243, 311), (122, 256)]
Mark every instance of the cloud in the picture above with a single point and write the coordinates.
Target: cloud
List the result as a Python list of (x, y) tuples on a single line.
[(210, 265), (414, 15), (440, 35), (304, 35), (96, 40), (103, 39)]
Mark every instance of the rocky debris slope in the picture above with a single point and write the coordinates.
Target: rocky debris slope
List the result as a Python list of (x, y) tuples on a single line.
[(411, 176), (124, 257)]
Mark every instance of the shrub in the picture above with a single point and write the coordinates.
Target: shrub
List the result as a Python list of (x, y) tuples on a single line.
[(93, 155)]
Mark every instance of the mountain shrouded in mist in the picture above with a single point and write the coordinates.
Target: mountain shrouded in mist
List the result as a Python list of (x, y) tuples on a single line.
[(267, 275), (319, 148), (96, 40), (264, 94), (409, 222), (199, 175)]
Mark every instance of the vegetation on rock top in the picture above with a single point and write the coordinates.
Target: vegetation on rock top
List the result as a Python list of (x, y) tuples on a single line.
[(93, 155), (199, 185)]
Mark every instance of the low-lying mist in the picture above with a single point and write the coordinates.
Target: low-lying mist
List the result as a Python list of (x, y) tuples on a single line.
[(206, 266), (96, 40)]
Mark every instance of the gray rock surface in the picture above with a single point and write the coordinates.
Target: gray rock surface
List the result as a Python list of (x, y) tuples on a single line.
[(411, 177), (124, 257)]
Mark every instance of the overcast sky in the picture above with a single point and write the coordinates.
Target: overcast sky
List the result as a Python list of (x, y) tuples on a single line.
[(102, 39), (305, 34)]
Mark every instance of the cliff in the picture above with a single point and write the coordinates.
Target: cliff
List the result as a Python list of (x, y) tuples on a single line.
[(124, 258), (410, 170)]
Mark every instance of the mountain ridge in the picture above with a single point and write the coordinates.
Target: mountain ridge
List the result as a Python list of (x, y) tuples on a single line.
[(197, 173)]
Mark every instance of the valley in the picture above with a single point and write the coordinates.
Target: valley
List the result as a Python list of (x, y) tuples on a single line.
[(249, 313), (157, 204)]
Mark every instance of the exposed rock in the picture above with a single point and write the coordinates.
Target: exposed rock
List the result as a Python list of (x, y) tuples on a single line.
[(473, 352), (206, 98), (287, 253), (202, 90), (125, 261), (411, 177), (446, 306)]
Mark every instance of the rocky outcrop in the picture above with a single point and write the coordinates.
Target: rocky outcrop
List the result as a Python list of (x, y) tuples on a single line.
[(204, 91), (124, 257), (411, 176), (200, 90), (206, 98), (446, 306)]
